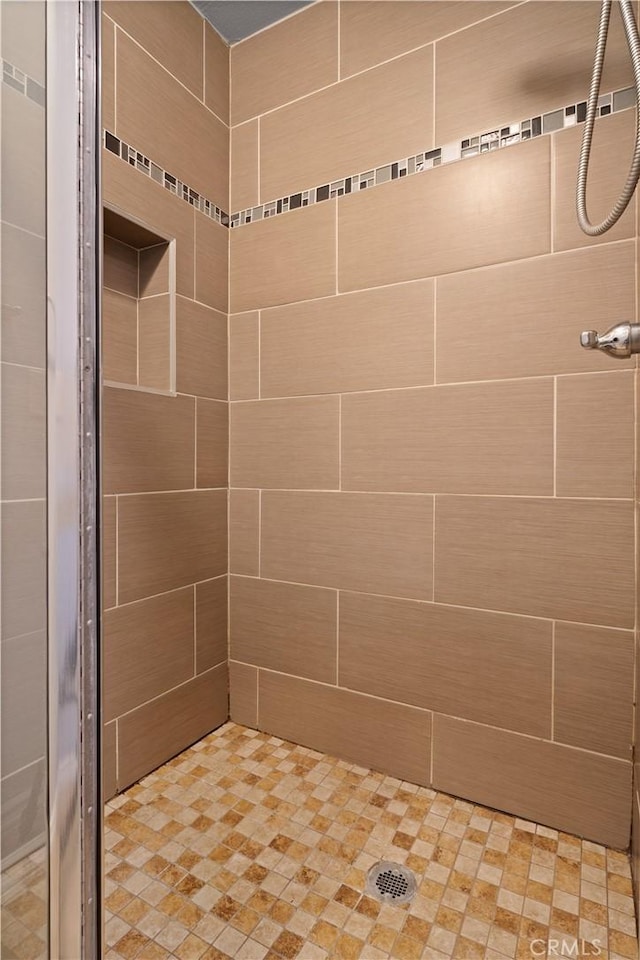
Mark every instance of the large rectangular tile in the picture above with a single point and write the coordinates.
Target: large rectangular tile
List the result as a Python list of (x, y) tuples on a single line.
[(162, 728), (109, 761), (594, 438), (534, 779), (566, 559), (24, 298), (243, 694), (23, 701), (289, 60), (201, 350), (244, 356), (148, 442), (211, 623), (357, 341), (212, 460), (120, 266), (593, 688), (291, 444), (107, 73), (23, 556), (23, 37), (168, 540), (24, 820), (212, 262), (216, 63), (170, 31), (108, 534), (284, 627), (23, 176), (146, 96), (384, 236), (546, 55), (612, 146), (148, 649), (373, 733), (244, 532), (283, 259), (375, 543), (491, 667), (423, 441), (376, 31), (360, 123), (245, 173), (119, 337), (161, 211), (527, 316), (154, 343), (23, 428)]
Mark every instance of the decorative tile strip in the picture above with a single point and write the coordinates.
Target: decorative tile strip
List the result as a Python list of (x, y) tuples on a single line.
[(167, 180), (496, 139), (25, 85)]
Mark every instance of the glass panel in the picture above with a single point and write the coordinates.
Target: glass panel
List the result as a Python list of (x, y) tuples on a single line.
[(23, 626)]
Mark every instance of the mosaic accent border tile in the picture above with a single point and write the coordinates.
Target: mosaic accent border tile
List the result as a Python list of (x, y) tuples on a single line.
[(453, 152), (167, 180), (27, 86)]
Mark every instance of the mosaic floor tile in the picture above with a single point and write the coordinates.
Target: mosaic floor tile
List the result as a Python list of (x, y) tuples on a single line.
[(246, 846), (23, 903)]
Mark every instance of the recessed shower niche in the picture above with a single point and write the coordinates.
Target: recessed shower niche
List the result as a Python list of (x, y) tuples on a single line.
[(138, 305)]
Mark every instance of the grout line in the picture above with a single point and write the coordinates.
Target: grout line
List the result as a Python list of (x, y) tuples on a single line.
[(397, 493), (165, 593), (339, 441), (117, 751), (257, 695), (195, 443), (431, 748), (433, 94), (195, 632), (164, 693), (337, 637), (117, 553), (259, 533), (552, 193), (555, 436), (259, 163), (115, 75), (138, 327), (259, 397), (337, 241), (435, 340), (204, 59), (339, 31), (160, 493), (553, 680), (433, 553)]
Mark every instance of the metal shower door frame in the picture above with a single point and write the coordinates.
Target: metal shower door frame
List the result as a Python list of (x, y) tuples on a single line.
[(73, 282)]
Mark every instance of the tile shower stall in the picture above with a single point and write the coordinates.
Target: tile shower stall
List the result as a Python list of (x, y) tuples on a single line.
[(363, 491)]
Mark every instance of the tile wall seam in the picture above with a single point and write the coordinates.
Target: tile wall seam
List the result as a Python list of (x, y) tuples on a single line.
[(257, 696), (145, 703), (404, 493), (259, 163), (339, 441), (195, 632), (259, 534), (337, 682), (16, 226), (159, 493), (117, 552), (433, 91), (201, 303), (115, 72), (117, 752), (553, 681), (339, 39), (433, 553), (552, 193), (138, 384), (195, 443), (163, 593), (555, 437), (204, 60), (259, 397), (433, 603), (435, 338)]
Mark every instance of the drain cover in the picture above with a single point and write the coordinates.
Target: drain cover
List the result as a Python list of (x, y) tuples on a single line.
[(391, 882)]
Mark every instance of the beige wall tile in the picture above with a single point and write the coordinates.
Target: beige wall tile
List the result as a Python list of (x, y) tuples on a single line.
[(288, 61), (594, 445), (23, 177), (109, 761), (211, 623), (287, 258), (153, 270), (216, 57), (23, 37), (23, 559), (23, 428), (163, 727), (154, 342), (284, 627), (148, 649), (24, 274), (20, 790), (120, 267), (23, 689), (347, 725), (425, 440), (546, 55), (635, 840), (593, 688), (108, 531), (375, 543), (244, 356), (212, 260), (148, 442), (119, 337), (201, 350), (384, 236), (243, 694), (612, 147), (244, 532), (368, 340), (524, 319), (376, 31), (160, 210), (360, 123), (107, 74), (212, 462), (489, 667), (569, 559), (146, 96), (286, 443), (245, 175), (168, 540), (170, 31), (535, 779)]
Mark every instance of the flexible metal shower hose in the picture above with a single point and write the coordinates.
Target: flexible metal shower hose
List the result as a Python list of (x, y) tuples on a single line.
[(633, 40)]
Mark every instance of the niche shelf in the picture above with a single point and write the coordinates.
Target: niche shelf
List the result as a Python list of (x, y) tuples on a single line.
[(138, 305)]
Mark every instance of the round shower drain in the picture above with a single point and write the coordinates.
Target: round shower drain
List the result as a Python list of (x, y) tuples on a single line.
[(391, 883)]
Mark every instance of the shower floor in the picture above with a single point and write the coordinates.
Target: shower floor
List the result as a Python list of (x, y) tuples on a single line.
[(249, 847)]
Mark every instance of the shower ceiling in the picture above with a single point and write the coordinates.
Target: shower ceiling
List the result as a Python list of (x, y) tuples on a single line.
[(236, 19)]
